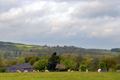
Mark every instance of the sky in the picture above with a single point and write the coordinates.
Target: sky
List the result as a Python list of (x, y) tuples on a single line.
[(81, 23)]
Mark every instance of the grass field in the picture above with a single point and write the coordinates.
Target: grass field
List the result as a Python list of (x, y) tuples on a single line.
[(61, 76), (109, 52)]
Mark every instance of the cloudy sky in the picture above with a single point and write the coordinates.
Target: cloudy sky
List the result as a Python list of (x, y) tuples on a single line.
[(80, 23)]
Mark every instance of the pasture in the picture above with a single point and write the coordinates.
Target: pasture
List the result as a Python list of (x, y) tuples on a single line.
[(61, 76)]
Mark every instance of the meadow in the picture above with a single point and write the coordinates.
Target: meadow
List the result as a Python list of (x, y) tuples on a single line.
[(61, 76)]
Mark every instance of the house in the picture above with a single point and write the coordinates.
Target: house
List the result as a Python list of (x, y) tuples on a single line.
[(22, 67), (60, 67)]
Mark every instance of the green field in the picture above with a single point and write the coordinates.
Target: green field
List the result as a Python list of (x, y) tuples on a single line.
[(109, 52), (28, 47), (61, 76)]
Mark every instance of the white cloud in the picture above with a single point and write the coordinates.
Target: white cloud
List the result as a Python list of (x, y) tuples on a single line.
[(71, 34), (108, 30), (53, 30), (36, 20), (11, 14)]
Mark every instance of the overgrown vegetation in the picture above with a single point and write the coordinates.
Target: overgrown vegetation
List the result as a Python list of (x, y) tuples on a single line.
[(16, 51), (67, 57)]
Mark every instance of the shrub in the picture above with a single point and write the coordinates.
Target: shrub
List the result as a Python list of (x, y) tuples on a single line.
[(83, 67), (117, 66), (2, 69), (101, 65), (42, 71), (17, 68)]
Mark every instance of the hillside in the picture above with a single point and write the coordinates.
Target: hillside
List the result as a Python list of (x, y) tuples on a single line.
[(16, 50)]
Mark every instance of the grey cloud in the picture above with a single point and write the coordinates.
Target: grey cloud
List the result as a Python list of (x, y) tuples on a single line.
[(45, 26), (98, 9)]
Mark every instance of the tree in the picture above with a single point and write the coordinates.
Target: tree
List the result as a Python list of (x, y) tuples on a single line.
[(27, 59), (21, 60), (110, 63), (117, 66), (36, 58), (11, 62), (94, 64), (1, 63), (39, 54), (5, 55), (41, 64), (78, 60), (117, 58), (52, 61), (32, 61), (68, 64), (83, 67), (101, 65)]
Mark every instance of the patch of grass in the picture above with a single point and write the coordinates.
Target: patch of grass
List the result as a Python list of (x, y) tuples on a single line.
[(6, 44), (28, 47), (109, 52), (61, 76)]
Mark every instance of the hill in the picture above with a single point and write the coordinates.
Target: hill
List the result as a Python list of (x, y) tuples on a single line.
[(16, 50)]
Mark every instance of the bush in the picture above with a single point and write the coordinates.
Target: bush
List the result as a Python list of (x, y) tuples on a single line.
[(117, 66), (42, 71), (83, 67), (112, 70), (2, 69), (17, 68)]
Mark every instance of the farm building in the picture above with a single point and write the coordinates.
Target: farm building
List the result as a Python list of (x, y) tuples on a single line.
[(22, 67)]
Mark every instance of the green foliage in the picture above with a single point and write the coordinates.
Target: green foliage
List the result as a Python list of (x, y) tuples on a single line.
[(17, 68), (39, 54), (41, 64), (83, 67), (27, 59), (21, 60), (101, 65), (112, 70), (110, 63), (20, 50), (78, 61), (42, 70), (1, 62), (68, 64), (32, 61), (11, 62), (94, 64), (36, 58), (53, 61), (2, 69), (5, 55), (117, 66), (117, 58)]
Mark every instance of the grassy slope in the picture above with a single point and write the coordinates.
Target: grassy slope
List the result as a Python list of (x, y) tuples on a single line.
[(61, 76), (28, 47), (109, 52)]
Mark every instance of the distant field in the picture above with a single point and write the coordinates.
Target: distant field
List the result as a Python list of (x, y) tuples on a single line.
[(109, 52), (61, 76), (28, 47)]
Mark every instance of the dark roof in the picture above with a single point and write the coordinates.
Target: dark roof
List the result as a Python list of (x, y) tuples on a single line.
[(8, 66), (23, 65)]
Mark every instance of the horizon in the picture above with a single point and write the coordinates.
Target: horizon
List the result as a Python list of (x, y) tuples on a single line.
[(81, 23), (56, 45)]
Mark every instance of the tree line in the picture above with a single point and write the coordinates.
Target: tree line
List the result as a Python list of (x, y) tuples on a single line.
[(55, 62)]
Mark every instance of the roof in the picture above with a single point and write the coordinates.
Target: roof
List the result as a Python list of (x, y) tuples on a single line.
[(23, 65), (60, 66)]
